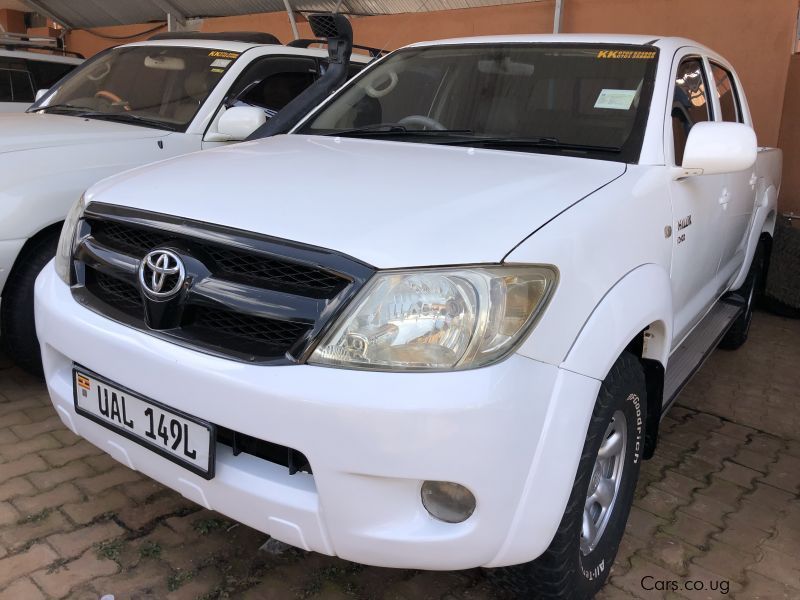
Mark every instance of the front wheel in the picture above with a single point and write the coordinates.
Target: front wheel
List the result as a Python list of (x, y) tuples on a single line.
[(578, 560), (16, 310)]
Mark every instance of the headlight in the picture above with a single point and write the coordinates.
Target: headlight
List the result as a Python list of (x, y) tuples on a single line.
[(67, 240), (438, 319)]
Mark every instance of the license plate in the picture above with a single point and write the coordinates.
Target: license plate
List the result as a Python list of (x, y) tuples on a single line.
[(181, 438)]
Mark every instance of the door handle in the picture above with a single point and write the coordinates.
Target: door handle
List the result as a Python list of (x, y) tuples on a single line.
[(725, 197)]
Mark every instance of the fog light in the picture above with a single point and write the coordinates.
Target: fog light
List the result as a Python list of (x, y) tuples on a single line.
[(448, 502)]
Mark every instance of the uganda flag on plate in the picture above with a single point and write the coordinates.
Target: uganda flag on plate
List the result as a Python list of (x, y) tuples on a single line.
[(84, 384)]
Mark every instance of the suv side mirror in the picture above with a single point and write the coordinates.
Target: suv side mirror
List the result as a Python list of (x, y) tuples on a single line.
[(40, 93), (714, 148), (238, 122)]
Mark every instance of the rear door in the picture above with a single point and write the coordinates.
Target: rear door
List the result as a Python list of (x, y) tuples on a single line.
[(697, 227), (739, 193)]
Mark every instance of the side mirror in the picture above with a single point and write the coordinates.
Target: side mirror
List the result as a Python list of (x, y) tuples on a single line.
[(238, 122), (714, 148), (40, 94)]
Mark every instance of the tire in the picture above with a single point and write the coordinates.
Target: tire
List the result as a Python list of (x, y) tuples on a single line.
[(750, 290), (17, 326), (575, 566)]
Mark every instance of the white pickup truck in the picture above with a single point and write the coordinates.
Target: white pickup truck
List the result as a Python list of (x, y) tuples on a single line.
[(437, 325), (129, 106)]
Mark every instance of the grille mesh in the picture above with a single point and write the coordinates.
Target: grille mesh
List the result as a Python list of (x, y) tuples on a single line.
[(237, 265), (119, 294), (216, 324), (124, 237)]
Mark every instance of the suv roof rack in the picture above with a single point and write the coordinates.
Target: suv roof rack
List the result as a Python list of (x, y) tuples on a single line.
[(21, 41), (248, 37), (305, 43)]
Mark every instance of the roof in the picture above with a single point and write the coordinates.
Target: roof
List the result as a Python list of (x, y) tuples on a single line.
[(665, 43), (209, 44), (53, 58), (97, 13), (240, 47)]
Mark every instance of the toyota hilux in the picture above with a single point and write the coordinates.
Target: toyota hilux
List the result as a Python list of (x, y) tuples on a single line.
[(436, 325)]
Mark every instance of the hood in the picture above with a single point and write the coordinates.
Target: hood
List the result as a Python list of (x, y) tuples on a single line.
[(28, 131), (390, 204)]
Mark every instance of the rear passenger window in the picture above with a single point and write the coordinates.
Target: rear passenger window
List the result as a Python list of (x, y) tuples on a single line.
[(690, 103), (728, 97), (45, 74), (5, 86), (22, 86)]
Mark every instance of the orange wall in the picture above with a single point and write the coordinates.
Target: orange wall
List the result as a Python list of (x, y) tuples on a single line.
[(756, 40), (790, 140), (13, 21)]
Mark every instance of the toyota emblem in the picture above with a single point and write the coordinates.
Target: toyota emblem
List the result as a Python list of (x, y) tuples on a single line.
[(161, 274)]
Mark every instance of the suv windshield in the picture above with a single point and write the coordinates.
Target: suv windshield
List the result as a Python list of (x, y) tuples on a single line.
[(557, 98), (146, 85)]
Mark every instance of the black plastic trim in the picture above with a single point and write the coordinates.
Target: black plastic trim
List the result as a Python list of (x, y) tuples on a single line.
[(205, 288)]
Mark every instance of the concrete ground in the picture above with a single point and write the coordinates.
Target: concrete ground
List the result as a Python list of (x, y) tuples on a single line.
[(717, 509)]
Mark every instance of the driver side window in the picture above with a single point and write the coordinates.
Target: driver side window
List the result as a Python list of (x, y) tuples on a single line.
[(272, 82), (689, 104)]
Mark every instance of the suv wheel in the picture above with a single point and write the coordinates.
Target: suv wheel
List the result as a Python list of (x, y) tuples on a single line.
[(737, 334), (17, 326), (578, 561)]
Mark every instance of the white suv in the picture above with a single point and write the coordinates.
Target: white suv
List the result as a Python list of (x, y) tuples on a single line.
[(126, 107), (435, 327)]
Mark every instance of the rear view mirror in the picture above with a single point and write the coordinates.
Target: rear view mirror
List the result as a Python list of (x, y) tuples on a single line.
[(40, 94), (166, 63), (238, 122), (714, 148)]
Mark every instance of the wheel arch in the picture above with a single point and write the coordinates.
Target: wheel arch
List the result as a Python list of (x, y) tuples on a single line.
[(634, 316), (54, 229)]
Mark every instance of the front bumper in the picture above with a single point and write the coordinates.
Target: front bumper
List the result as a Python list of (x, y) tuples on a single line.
[(512, 433)]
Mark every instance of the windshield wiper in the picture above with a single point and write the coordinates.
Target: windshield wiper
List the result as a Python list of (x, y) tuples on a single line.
[(130, 118), (390, 129), (67, 107), (534, 142)]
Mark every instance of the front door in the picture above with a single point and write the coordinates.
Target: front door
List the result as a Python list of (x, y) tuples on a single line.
[(697, 205)]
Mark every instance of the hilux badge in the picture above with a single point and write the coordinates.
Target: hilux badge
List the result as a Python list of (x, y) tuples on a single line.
[(161, 274)]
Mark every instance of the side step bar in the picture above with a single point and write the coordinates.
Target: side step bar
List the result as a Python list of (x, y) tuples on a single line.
[(695, 349)]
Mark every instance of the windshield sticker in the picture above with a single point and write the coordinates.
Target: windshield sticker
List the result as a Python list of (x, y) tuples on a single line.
[(215, 70), (627, 54), (223, 54), (221, 63), (615, 99)]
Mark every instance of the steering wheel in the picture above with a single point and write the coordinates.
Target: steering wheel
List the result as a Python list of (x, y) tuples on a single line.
[(112, 98), (423, 121)]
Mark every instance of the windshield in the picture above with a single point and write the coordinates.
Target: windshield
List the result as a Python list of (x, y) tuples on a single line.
[(557, 98), (145, 85)]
